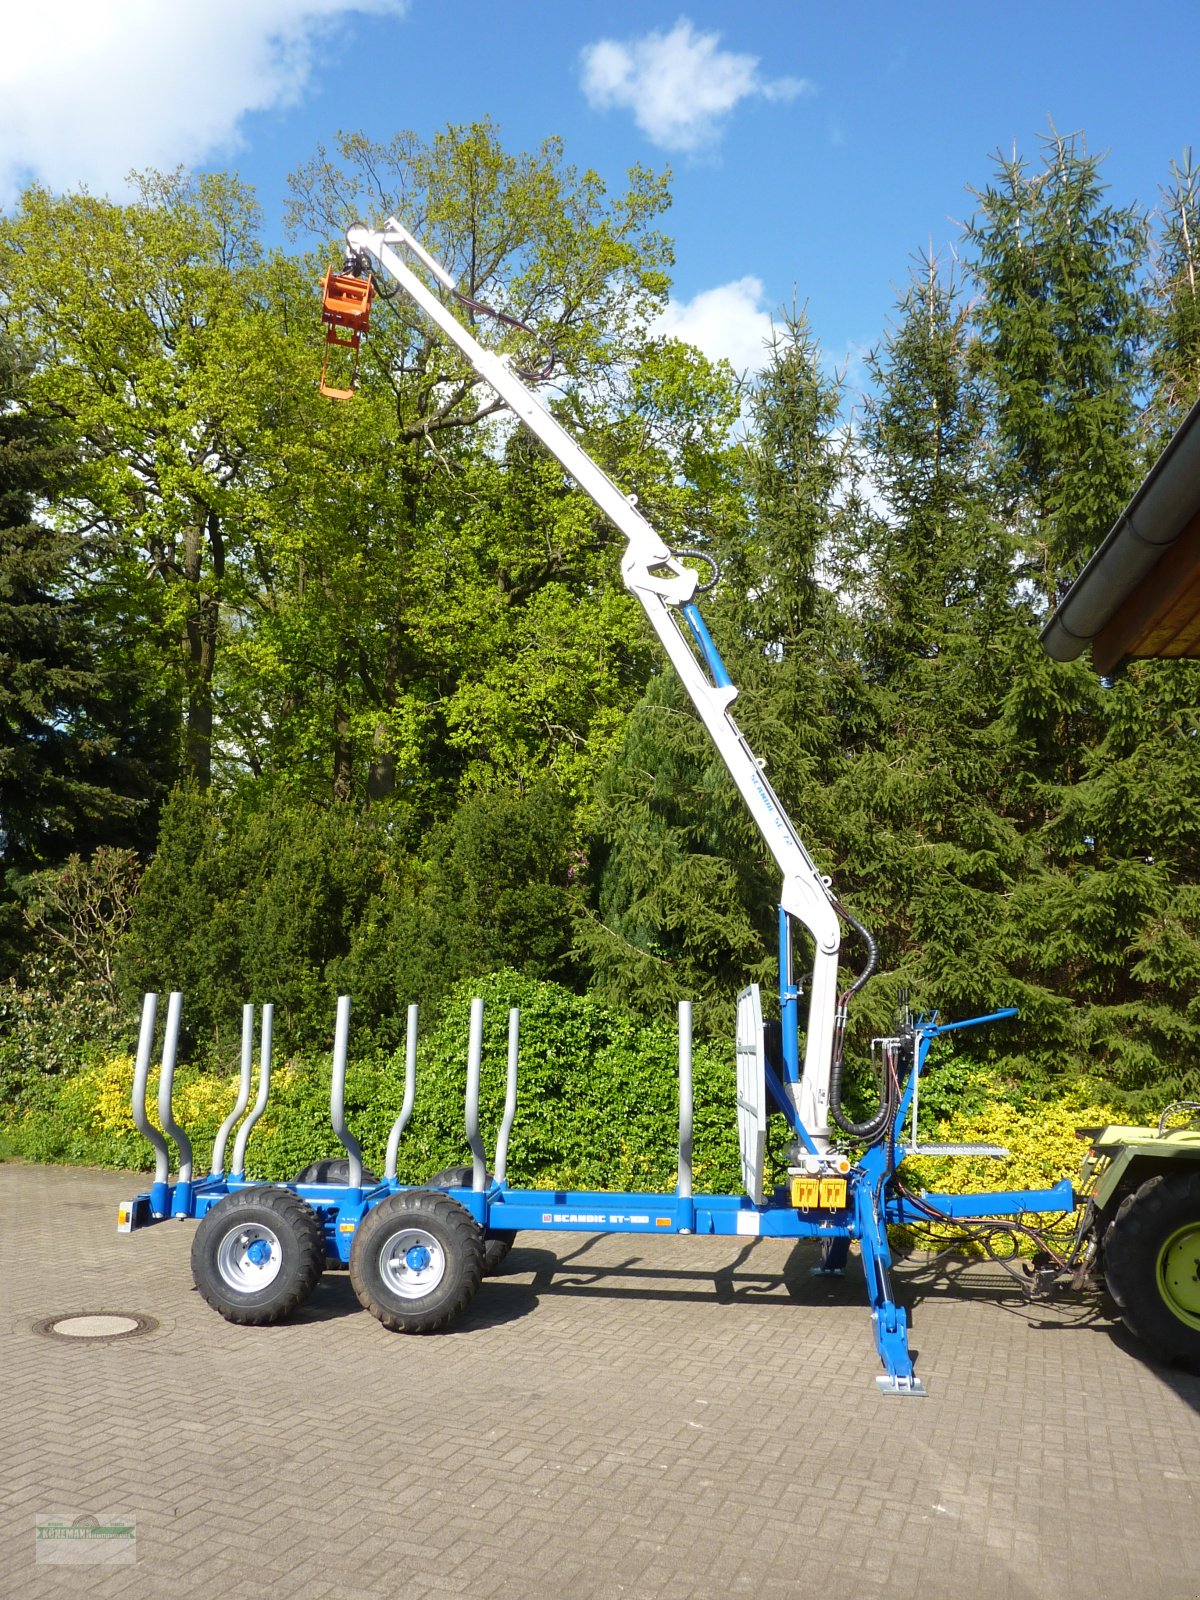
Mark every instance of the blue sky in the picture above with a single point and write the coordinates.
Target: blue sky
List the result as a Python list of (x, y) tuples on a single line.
[(813, 147)]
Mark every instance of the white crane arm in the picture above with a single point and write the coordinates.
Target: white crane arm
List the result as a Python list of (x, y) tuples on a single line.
[(665, 588)]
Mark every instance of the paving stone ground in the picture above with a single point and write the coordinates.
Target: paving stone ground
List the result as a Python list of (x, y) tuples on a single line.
[(619, 1417)]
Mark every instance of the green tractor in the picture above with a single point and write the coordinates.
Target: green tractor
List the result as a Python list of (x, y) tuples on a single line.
[(1139, 596), (1144, 1191)]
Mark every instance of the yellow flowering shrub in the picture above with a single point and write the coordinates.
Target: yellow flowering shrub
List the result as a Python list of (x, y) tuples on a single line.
[(1040, 1137), (93, 1114)]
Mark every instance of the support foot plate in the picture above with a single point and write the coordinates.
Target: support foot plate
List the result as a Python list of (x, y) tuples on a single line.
[(895, 1385)]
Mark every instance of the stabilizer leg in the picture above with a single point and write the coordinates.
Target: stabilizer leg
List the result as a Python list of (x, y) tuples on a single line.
[(888, 1320)]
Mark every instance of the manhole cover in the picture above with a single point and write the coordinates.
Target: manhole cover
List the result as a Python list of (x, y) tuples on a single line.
[(106, 1325)]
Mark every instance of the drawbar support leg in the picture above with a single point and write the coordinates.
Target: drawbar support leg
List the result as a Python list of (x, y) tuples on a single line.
[(888, 1320)]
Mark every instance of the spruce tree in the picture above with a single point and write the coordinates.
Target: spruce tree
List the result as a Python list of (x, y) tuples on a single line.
[(683, 893), (937, 557), (687, 888), (1103, 779), (1061, 319), (780, 614), (77, 749), (1174, 356), (924, 800)]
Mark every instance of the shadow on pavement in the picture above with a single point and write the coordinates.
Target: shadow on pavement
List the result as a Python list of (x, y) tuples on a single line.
[(496, 1302), (916, 1280), (632, 1278), (529, 1273), (1089, 1310)]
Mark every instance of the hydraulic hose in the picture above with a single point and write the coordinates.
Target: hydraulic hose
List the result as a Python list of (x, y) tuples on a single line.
[(876, 1124), (872, 950)]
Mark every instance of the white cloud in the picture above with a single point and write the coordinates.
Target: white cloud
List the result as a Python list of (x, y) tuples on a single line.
[(92, 88), (679, 85), (729, 321)]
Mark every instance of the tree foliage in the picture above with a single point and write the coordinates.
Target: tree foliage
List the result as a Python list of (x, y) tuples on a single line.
[(1061, 320), (296, 903), (81, 749), (1174, 357), (422, 728)]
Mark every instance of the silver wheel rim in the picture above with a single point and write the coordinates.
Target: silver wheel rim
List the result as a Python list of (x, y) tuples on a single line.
[(412, 1263), (250, 1257)]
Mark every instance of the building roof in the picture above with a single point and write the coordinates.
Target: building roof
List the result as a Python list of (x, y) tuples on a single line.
[(1139, 595)]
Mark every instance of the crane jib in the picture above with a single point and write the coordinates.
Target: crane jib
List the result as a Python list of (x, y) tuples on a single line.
[(665, 587)]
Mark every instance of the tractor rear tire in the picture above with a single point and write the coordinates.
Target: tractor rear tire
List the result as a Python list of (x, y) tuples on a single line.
[(1152, 1264), (417, 1260), (497, 1242), (258, 1255)]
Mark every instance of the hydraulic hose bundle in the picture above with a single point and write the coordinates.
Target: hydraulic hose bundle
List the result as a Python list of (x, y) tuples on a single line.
[(880, 1121)]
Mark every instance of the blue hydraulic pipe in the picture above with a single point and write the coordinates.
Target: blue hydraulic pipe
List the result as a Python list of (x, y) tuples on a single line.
[(784, 1102), (789, 1002), (927, 1032), (712, 656)]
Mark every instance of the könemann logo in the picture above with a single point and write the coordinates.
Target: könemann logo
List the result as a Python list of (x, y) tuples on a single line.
[(85, 1540)]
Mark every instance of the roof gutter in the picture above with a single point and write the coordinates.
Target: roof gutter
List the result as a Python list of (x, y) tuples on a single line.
[(1152, 521)]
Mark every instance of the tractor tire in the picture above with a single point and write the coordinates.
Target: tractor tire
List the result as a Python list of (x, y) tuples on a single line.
[(1152, 1264), (258, 1255), (497, 1242), (417, 1260), (334, 1170)]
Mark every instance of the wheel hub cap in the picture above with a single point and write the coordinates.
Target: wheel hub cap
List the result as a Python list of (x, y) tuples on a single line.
[(412, 1263), (250, 1257), (1178, 1274)]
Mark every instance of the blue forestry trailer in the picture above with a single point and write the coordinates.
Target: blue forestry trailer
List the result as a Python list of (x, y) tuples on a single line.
[(417, 1255)]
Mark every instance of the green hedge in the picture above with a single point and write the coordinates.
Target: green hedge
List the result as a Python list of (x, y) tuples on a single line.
[(597, 1107), (597, 1101)]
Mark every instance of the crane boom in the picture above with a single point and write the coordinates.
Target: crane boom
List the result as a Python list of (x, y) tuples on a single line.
[(666, 588)]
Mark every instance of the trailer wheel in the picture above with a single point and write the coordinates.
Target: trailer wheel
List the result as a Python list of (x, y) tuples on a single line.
[(417, 1260), (1152, 1264), (258, 1254), (497, 1242)]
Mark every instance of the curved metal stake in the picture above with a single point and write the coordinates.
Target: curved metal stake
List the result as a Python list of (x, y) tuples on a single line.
[(337, 1092), (474, 1057), (510, 1095), (160, 1197), (686, 1107), (166, 1085), (260, 1104), (243, 1096), (410, 1089)]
